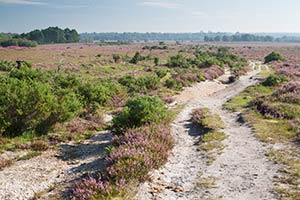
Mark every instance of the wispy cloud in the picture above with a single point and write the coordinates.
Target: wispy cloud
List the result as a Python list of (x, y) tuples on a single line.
[(23, 2), (160, 4)]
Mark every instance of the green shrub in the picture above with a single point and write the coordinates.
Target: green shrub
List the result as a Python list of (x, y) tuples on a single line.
[(178, 61), (140, 84), (117, 57), (274, 80), (138, 111), (173, 84), (24, 104), (6, 65), (274, 56), (67, 80), (161, 73), (17, 42), (31, 101), (100, 92), (136, 58), (27, 73)]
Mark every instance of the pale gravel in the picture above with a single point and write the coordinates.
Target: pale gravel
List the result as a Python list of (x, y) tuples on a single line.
[(242, 171)]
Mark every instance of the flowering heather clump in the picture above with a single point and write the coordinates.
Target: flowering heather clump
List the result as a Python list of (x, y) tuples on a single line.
[(283, 103), (242, 71), (95, 188), (168, 100), (137, 152), (213, 72), (289, 92), (186, 79), (291, 71)]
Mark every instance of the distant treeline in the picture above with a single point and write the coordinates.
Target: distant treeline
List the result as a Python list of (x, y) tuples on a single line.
[(250, 38), (52, 35), (45, 36), (147, 36), (200, 37)]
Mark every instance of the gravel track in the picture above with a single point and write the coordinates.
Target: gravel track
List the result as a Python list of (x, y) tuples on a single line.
[(241, 172)]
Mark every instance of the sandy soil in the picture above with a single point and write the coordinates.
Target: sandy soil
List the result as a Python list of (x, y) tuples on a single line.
[(241, 171), (53, 169)]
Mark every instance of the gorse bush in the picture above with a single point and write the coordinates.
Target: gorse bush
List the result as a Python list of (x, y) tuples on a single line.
[(178, 61), (136, 58), (28, 105), (142, 84), (274, 80), (101, 92), (34, 100), (24, 105), (6, 65), (274, 56), (138, 111)]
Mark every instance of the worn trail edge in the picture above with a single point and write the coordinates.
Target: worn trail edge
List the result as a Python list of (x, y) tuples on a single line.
[(241, 172)]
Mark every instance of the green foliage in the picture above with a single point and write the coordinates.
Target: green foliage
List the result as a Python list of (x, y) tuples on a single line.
[(274, 80), (6, 66), (136, 58), (156, 61), (138, 111), (274, 56), (117, 57), (173, 84), (24, 105), (52, 35), (178, 61), (17, 42), (140, 84), (100, 92), (31, 101)]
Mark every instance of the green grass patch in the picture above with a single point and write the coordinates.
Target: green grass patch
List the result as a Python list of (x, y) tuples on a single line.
[(207, 120), (270, 130), (240, 102), (214, 136)]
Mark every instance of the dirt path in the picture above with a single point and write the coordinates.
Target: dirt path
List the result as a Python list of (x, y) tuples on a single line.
[(53, 169), (241, 172)]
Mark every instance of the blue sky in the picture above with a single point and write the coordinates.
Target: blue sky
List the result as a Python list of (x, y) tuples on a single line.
[(151, 15)]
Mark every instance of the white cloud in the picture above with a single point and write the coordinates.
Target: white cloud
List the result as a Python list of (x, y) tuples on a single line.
[(160, 4), (23, 2)]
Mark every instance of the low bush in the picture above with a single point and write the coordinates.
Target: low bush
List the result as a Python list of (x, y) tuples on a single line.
[(274, 80), (102, 92), (173, 84), (213, 72), (137, 152), (17, 42), (178, 61), (142, 84), (274, 56), (136, 58), (6, 65), (138, 111)]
